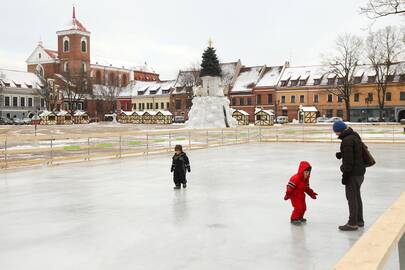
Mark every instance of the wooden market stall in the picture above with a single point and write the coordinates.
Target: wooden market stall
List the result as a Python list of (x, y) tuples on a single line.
[(241, 116), (47, 118), (137, 117), (148, 117), (164, 117), (124, 117), (81, 117), (64, 118), (307, 114), (264, 117)]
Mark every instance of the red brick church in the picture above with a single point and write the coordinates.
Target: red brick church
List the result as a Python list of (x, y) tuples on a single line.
[(80, 82)]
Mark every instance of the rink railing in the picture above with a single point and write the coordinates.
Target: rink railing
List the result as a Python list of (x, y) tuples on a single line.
[(373, 249), (26, 150)]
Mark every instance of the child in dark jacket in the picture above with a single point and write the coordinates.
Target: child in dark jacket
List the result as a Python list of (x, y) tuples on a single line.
[(180, 165), (296, 189)]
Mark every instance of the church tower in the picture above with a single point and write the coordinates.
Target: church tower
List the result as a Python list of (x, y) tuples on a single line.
[(74, 49)]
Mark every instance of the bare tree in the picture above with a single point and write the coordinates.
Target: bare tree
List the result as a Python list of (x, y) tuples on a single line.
[(342, 65), (383, 50), (106, 98), (375, 9), (75, 88), (48, 92)]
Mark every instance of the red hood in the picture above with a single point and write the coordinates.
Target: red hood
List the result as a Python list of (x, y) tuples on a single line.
[(303, 166)]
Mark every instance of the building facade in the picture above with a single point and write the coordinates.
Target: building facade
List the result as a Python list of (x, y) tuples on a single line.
[(19, 94)]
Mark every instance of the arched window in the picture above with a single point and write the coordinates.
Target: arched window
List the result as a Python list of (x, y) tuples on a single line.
[(40, 70), (39, 55), (66, 44), (112, 79), (84, 44), (98, 77), (66, 67), (84, 67)]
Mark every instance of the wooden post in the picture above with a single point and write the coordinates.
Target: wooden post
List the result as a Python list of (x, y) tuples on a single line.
[(401, 251)]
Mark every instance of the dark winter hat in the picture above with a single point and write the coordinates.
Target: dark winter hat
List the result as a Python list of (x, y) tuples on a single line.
[(339, 126), (309, 169)]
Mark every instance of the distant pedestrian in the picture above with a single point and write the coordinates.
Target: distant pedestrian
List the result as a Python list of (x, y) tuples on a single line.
[(296, 189), (180, 165), (353, 170)]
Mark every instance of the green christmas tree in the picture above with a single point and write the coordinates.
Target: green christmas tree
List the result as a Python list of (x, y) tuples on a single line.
[(210, 64)]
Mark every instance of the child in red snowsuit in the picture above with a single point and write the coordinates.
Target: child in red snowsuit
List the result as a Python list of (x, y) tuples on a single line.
[(296, 189)]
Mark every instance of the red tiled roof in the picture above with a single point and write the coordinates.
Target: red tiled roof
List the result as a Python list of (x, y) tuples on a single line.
[(52, 53)]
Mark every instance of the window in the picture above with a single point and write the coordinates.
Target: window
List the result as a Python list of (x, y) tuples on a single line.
[(284, 83), (249, 101), (356, 97), (241, 101), (7, 101), (134, 106), (402, 78), (39, 56), (162, 105), (84, 67), (302, 99), (147, 106), (79, 106), (388, 96), (317, 81), (370, 97), (331, 81), (390, 78), (167, 105), (303, 82), (66, 67), (156, 106), (234, 101), (329, 113), (22, 101), (66, 45), (259, 100), (30, 102), (292, 99), (15, 101), (340, 81), (178, 104), (339, 113), (330, 98), (84, 44), (402, 96), (270, 99), (316, 98), (357, 80), (42, 103), (294, 83), (371, 79), (340, 99), (283, 99)]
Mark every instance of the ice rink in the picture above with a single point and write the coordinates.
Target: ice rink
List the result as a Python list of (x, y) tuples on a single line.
[(124, 214)]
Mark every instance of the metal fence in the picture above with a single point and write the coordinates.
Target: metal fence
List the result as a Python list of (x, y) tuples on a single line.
[(27, 150)]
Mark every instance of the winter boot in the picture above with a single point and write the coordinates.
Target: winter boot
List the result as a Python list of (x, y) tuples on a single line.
[(177, 187), (348, 227), (360, 224), (296, 222), (303, 220), (184, 185)]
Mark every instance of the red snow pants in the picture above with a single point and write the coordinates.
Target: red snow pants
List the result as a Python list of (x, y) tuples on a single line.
[(298, 202)]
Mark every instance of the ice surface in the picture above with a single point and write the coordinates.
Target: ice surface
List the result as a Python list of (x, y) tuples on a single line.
[(123, 214)]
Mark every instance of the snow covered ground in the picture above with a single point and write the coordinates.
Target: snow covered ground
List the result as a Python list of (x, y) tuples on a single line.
[(123, 214)]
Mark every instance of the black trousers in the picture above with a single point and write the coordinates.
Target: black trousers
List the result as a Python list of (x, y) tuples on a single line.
[(353, 196)]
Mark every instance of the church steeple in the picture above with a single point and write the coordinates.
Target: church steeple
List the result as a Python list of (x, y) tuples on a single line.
[(74, 13)]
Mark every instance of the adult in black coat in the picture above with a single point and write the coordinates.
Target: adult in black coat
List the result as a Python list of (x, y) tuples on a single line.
[(353, 170), (180, 164)]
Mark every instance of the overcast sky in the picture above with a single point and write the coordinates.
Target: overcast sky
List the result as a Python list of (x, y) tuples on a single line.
[(171, 35)]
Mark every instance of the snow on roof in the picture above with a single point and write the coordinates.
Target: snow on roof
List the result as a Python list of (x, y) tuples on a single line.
[(74, 23), (270, 77), (228, 72), (247, 79), (46, 113), (80, 113), (144, 88), (166, 113), (242, 112), (62, 113), (308, 109), (305, 73), (20, 79), (269, 112)]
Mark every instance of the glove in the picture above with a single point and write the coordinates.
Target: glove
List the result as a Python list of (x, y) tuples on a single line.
[(286, 197), (339, 155), (313, 195), (345, 179), (189, 170)]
